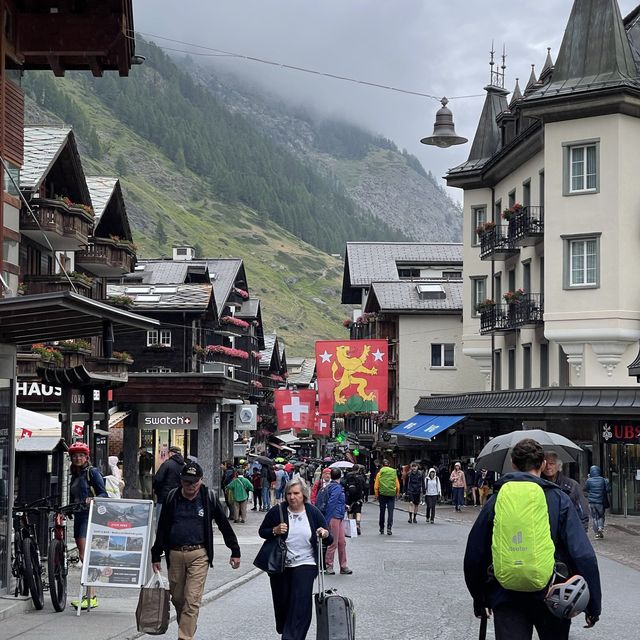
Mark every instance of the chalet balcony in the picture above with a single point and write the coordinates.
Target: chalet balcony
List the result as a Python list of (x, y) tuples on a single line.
[(527, 227), (107, 258), (230, 357), (526, 313), (66, 227), (27, 366), (57, 282), (231, 326), (108, 366), (496, 244)]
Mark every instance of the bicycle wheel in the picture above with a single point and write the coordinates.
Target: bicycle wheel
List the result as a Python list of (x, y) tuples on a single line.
[(57, 569), (33, 574)]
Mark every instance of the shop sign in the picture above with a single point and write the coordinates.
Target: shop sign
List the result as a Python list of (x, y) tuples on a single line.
[(620, 431), (167, 420)]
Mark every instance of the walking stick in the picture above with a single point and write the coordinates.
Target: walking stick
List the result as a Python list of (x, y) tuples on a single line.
[(483, 628)]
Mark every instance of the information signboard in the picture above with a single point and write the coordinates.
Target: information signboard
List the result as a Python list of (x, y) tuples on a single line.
[(118, 539)]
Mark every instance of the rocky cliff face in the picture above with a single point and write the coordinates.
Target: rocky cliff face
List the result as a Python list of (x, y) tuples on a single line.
[(383, 181)]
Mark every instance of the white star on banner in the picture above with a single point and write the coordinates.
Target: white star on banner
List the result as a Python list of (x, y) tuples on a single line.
[(377, 355), (326, 356)]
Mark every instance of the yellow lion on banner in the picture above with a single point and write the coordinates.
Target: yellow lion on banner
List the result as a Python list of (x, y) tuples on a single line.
[(351, 366)]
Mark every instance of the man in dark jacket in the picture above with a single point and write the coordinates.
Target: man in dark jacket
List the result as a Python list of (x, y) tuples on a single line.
[(413, 489), (354, 493), (597, 489), (167, 477), (185, 536), (516, 613), (553, 473)]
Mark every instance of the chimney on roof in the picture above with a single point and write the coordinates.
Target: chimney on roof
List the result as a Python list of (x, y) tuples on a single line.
[(184, 253)]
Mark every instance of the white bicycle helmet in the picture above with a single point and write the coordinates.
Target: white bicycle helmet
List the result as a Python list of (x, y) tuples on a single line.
[(568, 599)]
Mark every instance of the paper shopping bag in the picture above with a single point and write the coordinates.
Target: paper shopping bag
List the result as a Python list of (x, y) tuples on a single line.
[(350, 528)]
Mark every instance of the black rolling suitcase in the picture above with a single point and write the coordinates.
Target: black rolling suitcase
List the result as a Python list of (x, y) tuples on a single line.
[(335, 615)]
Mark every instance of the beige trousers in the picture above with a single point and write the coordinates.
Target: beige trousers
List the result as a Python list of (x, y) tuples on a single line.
[(239, 511), (187, 574)]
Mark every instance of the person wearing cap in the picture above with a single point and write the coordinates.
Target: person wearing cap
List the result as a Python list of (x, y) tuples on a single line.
[(185, 536), (167, 477)]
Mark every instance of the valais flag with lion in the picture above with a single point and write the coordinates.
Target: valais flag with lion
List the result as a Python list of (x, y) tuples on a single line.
[(352, 375)]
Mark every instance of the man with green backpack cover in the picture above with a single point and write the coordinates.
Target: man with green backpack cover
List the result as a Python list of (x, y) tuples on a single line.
[(526, 528)]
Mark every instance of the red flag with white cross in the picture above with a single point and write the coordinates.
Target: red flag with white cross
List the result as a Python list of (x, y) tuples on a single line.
[(78, 430), (352, 376), (322, 425), (295, 409)]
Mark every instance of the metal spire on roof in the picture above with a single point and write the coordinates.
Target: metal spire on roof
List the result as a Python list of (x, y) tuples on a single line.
[(517, 94), (548, 63), (532, 80), (497, 75)]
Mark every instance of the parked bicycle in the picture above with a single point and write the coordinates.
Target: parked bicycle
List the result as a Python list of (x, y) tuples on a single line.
[(26, 566), (58, 558)]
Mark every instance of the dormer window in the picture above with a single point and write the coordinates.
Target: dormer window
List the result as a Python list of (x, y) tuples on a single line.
[(408, 273), (431, 292)]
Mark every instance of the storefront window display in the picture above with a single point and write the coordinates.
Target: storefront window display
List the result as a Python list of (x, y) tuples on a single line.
[(622, 451)]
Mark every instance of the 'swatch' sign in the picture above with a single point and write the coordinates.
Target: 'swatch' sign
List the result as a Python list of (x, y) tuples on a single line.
[(166, 420), (620, 431)]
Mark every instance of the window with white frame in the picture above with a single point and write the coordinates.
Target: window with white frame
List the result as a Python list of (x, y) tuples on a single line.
[(159, 338), (582, 262), (479, 293), (442, 355), (478, 218), (158, 370), (581, 168)]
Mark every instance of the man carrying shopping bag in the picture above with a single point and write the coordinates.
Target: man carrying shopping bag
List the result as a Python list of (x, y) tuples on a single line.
[(152, 612)]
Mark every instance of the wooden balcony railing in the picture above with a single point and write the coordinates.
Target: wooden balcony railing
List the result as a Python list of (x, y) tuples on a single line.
[(55, 283), (67, 228), (106, 258)]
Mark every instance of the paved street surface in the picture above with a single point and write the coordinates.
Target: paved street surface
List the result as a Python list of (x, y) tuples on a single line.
[(409, 585)]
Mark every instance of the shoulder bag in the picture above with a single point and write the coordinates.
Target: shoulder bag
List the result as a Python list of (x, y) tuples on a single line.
[(273, 553)]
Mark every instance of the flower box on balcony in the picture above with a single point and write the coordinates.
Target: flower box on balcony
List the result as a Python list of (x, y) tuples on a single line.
[(485, 305), (227, 355), (514, 297), (74, 352), (111, 366), (234, 325)]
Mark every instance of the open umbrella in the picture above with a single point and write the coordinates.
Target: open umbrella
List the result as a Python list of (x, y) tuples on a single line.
[(279, 459), (261, 459), (496, 454), (341, 464), (288, 467)]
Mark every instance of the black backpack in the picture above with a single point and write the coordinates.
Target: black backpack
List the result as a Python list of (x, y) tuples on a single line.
[(271, 474), (354, 489)]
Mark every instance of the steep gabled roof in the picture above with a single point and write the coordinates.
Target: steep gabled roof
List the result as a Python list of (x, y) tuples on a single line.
[(595, 51), (42, 146), (109, 207), (306, 373)]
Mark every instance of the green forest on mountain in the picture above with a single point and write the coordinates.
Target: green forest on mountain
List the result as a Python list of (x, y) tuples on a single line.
[(164, 105)]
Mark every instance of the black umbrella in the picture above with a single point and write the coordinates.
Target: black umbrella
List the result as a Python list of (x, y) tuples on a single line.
[(261, 459), (496, 454)]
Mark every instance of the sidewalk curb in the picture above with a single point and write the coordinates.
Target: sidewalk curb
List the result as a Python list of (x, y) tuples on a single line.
[(208, 597), (16, 606)]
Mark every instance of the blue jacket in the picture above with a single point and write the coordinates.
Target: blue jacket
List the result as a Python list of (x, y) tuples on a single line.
[(335, 501), (316, 519), (413, 483), (86, 482), (572, 547), (596, 486)]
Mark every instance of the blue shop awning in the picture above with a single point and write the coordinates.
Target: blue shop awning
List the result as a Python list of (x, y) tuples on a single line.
[(407, 426), (436, 425)]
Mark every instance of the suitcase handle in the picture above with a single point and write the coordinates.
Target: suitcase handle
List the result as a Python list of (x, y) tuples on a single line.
[(320, 567)]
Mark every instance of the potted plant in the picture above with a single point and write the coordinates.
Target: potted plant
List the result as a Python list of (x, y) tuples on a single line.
[(514, 297), (346, 323), (47, 353), (512, 211), (123, 356), (485, 226), (122, 301), (485, 305)]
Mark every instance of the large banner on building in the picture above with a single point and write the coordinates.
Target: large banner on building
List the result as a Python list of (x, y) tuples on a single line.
[(118, 542), (352, 376), (295, 409)]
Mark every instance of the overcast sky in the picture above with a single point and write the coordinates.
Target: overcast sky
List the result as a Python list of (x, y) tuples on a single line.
[(439, 47)]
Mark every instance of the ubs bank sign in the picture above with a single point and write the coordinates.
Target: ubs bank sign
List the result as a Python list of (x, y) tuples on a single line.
[(166, 420), (620, 432)]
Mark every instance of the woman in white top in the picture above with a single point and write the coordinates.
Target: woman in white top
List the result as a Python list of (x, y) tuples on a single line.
[(291, 590), (432, 491)]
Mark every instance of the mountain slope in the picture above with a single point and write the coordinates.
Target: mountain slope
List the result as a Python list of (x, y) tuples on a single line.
[(390, 185)]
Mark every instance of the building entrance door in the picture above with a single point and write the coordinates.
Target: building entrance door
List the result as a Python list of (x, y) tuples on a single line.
[(624, 465)]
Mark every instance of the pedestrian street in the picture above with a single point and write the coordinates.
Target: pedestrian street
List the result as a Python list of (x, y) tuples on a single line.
[(408, 585)]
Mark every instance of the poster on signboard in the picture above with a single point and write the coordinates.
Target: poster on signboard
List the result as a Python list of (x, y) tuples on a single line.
[(118, 539)]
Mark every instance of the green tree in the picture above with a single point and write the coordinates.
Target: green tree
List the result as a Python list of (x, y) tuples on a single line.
[(121, 166)]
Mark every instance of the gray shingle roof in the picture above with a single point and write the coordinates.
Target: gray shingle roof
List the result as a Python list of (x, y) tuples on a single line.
[(249, 309), (403, 296), (42, 145), (306, 373), (101, 189), (267, 353), (161, 296), (224, 272), (377, 261)]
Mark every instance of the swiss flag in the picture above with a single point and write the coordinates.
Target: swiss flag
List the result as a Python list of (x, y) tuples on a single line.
[(26, 434), (78, 430), (323, 424), (295, 409)]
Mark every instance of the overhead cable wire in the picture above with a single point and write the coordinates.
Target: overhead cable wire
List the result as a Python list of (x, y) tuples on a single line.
[(218, 53)]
